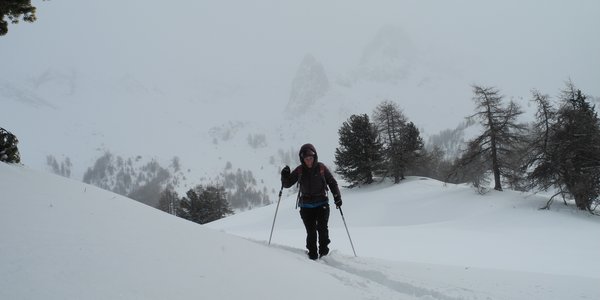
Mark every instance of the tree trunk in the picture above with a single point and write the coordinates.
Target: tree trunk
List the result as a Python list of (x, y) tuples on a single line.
[(494, 154), (496, 169), (581, 203)]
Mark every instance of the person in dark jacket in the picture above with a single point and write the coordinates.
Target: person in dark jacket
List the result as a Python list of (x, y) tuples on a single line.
[(313, 177)]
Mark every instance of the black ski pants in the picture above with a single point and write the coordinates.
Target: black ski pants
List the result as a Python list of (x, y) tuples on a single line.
[(315, 221)]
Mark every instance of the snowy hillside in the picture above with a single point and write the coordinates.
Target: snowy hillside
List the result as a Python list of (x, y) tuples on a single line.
[(418, 240)]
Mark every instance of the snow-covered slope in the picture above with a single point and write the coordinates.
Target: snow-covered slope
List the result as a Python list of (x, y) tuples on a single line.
[(424, 220), (65, 240), (418, 240)]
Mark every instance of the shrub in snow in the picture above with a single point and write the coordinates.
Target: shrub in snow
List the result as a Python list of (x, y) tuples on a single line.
[(8, 147)]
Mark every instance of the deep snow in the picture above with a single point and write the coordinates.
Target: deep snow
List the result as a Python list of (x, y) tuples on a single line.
[(421, 239)]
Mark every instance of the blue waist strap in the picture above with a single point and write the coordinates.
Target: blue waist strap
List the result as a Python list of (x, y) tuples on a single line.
[(313, 204)]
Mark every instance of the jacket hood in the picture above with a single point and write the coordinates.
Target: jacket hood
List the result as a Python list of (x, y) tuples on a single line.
[(307, 149)]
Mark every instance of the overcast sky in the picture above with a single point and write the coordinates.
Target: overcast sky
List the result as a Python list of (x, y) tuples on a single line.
[(262, 42)]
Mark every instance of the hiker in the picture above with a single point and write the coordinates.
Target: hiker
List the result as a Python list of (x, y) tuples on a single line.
[(313, 177)]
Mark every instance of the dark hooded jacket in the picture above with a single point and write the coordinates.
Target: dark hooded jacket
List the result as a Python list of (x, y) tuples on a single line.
[(313, 181)]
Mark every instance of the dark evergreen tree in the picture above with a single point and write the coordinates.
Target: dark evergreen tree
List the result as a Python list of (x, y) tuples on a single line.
[(204, 204), (13, 10), (358, 156), (9, 152), (571, 161), (411, 146), (492, 150)]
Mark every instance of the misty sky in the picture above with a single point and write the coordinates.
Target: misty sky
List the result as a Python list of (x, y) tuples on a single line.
[(261, 43)]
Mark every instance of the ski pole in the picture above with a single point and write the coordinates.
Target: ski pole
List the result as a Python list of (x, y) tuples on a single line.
[(348, 232), (276, 209)]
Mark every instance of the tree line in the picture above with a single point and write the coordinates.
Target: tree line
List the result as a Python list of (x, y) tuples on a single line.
[(559, 151)]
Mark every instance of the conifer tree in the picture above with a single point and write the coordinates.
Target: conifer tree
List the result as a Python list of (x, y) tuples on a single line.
[(390, 123), (204, 204), (543, 174), (411, 146), (572, 158), (401, 140), (492, 150), (358, 156), (13, 10), (8, 147)]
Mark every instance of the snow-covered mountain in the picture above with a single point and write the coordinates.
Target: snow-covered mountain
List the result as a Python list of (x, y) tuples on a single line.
[(62, 239), (210, 84)]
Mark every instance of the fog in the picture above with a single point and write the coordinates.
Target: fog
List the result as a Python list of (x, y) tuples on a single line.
[(90, 75), (257, 45)]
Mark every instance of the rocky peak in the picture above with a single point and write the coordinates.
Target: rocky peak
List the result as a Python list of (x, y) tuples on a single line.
[(309, 84)]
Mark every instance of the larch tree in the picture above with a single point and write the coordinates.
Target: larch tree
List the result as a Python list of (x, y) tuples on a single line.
[(391, 123), (493, 148)]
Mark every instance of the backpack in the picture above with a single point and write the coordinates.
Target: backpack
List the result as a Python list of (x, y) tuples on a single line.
[(321, 171)]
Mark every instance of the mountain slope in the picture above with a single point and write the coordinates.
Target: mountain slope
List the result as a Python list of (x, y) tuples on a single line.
[(66, 240)]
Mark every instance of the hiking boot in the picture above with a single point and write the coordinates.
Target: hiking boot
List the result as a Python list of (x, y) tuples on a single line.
[(323, 251), (313, 255)]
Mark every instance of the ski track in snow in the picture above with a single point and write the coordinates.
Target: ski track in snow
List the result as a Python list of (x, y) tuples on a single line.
[(353, 267), (361, 272)]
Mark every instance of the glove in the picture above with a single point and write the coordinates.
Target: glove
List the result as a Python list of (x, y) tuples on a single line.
[(337, 199), (285, 172)]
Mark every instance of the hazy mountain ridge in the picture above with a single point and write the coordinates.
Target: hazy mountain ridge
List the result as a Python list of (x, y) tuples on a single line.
[(23, 95)]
